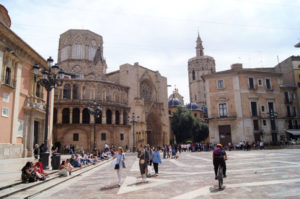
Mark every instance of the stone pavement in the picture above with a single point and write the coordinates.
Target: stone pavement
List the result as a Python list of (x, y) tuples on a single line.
[(10, 169), (251, 174)]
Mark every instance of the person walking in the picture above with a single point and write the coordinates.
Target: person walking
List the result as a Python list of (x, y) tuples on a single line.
[(156, 160), (143, 156), (120, 158)]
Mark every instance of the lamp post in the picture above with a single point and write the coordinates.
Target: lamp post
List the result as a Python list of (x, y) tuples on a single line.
[(96, 110), (48, 78), (133, 120)]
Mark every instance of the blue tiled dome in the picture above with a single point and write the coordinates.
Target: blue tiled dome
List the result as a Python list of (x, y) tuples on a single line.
[(174, 102), (193, 106), (204, 109)]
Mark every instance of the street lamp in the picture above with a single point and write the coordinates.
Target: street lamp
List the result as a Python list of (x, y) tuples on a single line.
[(48, 78), (133, 120), (96, 110)]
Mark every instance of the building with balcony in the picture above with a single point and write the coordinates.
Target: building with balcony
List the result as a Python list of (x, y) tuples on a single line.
[(245, 105), (22, 101), (131, 89)]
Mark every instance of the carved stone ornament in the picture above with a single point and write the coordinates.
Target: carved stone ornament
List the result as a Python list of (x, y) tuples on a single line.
[(146, 91)]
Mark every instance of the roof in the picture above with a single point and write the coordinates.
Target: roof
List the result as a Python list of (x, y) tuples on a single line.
[(297, 45), (294, 132), (193, 106), (245, 70)]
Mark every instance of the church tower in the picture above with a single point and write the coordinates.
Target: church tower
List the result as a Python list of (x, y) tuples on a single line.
[(198, 66)]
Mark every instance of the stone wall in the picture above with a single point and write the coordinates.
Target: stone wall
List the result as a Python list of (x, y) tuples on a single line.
[(11, 151)]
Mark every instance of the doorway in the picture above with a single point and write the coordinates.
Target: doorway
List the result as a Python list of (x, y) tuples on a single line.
[(35, 132), (225, 134)]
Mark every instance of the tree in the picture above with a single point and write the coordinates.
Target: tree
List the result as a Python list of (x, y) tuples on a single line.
[(186, 127)]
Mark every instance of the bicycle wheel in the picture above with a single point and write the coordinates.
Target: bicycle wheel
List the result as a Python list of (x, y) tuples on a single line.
[(220, 177)]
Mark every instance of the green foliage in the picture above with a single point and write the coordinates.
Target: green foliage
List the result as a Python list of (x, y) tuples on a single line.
[(186, 127)]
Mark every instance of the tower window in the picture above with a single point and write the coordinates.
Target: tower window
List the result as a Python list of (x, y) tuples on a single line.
[(75, 137), (103, 136), (193, 75)]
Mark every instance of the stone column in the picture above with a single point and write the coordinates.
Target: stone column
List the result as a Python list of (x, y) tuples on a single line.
[(30, 136), (17, 77), (71, 115), (1, 61), (71, 91), (80, 115), (104, 115), (92, 119), (121, 117), (59, 115), (113, 116), (81, 92)]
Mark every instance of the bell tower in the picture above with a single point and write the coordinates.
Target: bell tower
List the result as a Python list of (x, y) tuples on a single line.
[(198, 66)]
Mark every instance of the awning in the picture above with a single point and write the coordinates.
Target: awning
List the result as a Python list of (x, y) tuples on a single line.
[(294, 132)]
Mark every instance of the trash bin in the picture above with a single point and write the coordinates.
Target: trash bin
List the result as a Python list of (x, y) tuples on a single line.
[(55, 161)]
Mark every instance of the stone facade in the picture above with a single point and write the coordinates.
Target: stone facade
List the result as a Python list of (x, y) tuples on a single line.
[(131, 89), (22, 101), (148, 99), (197, 67), (245, 105)]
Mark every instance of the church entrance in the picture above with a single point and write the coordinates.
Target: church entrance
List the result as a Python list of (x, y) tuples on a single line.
[(154, 130)]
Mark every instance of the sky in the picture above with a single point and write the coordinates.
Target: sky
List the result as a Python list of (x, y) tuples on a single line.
[(161, 34)]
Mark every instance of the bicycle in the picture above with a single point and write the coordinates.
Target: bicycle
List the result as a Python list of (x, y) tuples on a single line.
[(220, 176)]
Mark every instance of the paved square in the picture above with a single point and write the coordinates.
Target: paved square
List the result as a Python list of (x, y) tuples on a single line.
[(251, 174)]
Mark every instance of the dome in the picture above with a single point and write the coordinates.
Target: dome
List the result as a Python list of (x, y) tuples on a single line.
[(174, 102), (193, 106), (204, 109)]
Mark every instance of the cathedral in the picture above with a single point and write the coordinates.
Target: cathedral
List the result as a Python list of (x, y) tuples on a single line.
[(197, 67), (133, 99)]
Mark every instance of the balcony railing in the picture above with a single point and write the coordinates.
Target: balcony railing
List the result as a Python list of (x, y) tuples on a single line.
[(35, 103)]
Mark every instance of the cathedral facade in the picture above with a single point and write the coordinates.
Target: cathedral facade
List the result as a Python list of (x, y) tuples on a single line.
[(197, 67), (132, 89)]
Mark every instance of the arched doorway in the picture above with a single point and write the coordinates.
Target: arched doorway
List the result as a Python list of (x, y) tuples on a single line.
[(154, 130)]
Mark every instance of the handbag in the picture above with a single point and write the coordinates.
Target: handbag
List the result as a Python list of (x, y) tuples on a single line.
[(117, 166), (142, 161)]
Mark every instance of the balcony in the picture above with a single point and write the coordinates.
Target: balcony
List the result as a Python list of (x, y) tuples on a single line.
[(252, 87), (35, 103)]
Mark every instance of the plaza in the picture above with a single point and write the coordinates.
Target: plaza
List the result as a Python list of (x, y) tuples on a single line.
[(250, 174)]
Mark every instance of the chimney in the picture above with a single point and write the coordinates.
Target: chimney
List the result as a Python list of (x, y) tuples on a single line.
[(237, 66)]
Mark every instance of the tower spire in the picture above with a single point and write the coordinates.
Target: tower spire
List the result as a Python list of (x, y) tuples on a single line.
[(199, 47)]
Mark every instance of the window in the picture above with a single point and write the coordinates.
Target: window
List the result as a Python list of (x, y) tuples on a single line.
[(195, 114), (273, 125), (39, 91), (76, 116), (66, 116), (223, 110), (221, 83), (260, 82), (255, 125), (5, 97), (5, 112), (251, 83), (296, 124), (121, 136), (271, 107), (264, 122), (117, 117), (262, 108), (85, 116), (75, 137), (7, 77), (169, 112), (193, 75), (67, 91), (124, 117), (288, 110), (268, 84), (55, 116), (295, 111), (103, 136), (253, 109), (294, 96), (290, 124), (75, 92), (287, 97), (108, 116)]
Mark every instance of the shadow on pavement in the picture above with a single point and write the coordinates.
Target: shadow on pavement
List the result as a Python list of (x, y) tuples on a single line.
[(109, 187), (215, 189)]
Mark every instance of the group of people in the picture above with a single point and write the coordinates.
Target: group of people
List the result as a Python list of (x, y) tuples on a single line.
[(33, 172)]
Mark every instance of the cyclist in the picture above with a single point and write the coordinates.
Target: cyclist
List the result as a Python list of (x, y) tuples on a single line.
[(219, 157)]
